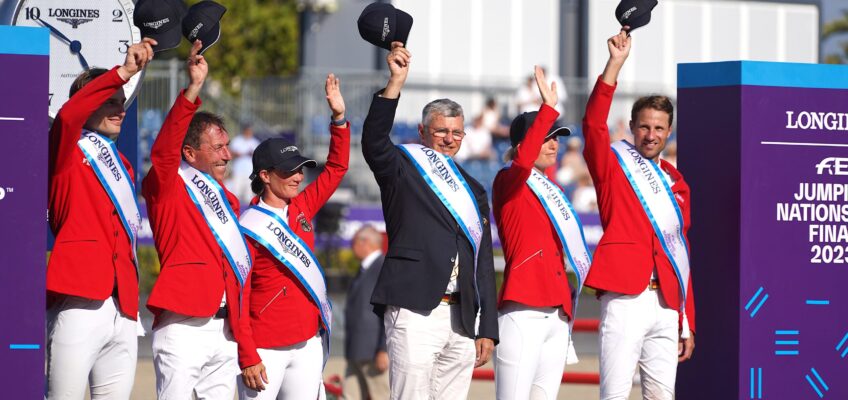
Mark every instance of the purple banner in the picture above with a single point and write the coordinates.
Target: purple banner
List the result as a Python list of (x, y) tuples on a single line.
[(23, 209), (768, 166)]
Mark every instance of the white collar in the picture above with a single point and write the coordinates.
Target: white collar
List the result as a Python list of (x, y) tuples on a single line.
[(369, 259), (282, 212)]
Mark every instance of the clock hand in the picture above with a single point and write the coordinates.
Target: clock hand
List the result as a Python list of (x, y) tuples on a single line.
[(55, 31), (76, 48)]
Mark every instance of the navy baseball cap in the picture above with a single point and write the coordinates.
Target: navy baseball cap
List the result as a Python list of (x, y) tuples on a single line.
[(160, 20), (381, 24), (279, 154), (203, 22), (634, 13), (523, 122)]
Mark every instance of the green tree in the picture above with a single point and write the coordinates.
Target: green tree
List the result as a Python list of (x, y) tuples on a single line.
[(258, 38), (836, 28)]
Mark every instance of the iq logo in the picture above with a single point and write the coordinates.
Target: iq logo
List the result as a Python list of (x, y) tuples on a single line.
[(4, 191)]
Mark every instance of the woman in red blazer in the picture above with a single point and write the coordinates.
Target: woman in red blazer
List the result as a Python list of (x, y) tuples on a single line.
[(535, 299), (280, 350)]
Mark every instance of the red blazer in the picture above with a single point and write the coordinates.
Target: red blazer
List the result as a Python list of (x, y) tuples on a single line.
[(276, 309), (194, 271), (535, 268), (629, 249), (92, 253)]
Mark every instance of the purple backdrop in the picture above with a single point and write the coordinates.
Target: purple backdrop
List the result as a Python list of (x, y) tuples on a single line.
[(770, 304), (23, 209)]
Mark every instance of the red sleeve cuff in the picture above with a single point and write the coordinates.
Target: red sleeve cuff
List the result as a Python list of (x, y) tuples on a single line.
[(183, 102)]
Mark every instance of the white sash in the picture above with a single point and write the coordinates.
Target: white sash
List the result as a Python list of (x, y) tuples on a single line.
[(212, 203), (269, 230), (662, 210), (101, 153), (443, 177), (567, 225)]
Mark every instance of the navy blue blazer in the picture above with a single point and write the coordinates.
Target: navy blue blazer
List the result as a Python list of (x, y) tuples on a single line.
[(424, 238)]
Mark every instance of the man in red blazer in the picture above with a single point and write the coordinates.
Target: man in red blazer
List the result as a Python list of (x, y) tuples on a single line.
[(196, 297), (92, 285), (642, 321)]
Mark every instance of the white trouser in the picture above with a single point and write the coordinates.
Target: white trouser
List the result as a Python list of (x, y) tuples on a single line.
[(637, 330), (194, 355), (429, 356), (294, 372), (89, 342), (530, 357)]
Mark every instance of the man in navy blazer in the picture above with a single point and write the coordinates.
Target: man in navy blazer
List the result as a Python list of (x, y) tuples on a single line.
[(428, 292), (367, 374)]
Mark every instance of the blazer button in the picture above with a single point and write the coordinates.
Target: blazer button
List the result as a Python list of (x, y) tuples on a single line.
[(655, 252), (114, 212), (115, 257), (453, 259), (116, 233)]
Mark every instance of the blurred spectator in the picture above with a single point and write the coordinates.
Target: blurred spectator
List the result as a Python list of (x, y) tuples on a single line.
[(572, 165), (528, 98), (585, 200), (477, 144), (367, 373), (492, 119), (621, 131), (670, 153), (242, 147)]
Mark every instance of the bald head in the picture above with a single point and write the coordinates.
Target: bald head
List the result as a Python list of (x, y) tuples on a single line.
[(366, 241)]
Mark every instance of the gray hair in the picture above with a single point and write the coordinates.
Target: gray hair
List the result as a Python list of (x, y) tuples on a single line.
[(369, 234), (444, 107)]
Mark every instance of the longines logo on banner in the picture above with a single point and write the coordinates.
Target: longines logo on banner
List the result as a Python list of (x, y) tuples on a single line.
[(816, 120), (833, 166)]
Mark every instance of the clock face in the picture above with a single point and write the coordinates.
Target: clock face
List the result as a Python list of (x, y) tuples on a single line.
[(83, 34)]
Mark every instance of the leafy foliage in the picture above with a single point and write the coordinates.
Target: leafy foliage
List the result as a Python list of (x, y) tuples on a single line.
[(258, 38), (837, 28)]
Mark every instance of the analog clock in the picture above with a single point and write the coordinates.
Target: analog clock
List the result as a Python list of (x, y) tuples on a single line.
[(83, 34)]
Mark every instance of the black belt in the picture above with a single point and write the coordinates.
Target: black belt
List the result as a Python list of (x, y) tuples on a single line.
[(221, 313)]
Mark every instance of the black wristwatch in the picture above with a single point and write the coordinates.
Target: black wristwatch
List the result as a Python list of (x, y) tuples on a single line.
[(340, 122)]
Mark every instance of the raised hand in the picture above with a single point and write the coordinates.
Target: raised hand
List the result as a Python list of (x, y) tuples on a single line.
[(196, 65), (138, 55), (197, 70), (619, 45), (619, 49), (334, 97), (549, 93), (398, 61)]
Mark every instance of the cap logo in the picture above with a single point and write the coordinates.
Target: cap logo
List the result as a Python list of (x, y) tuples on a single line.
[(157, 24), (194, 31), (627, 13), (385, 28), (288, 149)]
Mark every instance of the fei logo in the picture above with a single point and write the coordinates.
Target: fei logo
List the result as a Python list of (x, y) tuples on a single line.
[(833, 166)]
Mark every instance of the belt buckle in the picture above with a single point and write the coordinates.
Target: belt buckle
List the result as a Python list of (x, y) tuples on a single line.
[(654, 284), (450, 298)]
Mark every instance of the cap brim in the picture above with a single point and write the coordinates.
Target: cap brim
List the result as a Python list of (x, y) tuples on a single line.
[(209, 39), (166, 40), (558, 131), (296, 163)]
